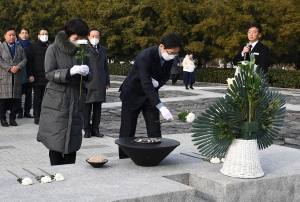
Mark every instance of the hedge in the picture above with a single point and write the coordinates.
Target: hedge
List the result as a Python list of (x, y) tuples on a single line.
[(277, 78)]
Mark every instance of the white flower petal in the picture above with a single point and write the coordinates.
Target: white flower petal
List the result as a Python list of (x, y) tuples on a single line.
[(190, 117), (59, 177), (222, 160), (82, 41), (215, 160), (46, 179), (26, 181)]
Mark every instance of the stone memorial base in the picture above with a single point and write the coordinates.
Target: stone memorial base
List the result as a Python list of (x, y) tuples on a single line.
[(177, 178)]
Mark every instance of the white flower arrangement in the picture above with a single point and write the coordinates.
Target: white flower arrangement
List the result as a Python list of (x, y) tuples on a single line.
[(190, 117)]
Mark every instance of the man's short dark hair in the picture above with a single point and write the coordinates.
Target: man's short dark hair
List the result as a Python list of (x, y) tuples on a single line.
[(257, 25), (23, 28), (8, 29), (171, 40), (42, 28), (76, 26), (95, 29)]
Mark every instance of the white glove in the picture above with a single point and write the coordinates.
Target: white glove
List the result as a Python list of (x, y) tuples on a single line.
[(79, 69), (155, 83), (166, 113)]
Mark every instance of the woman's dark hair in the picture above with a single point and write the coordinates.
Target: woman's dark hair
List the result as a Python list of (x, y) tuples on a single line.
[(8, 29), (95, 29), (42, 28), (257, 25), (23, 28), (189, 53), (171, 40), (76, 26)]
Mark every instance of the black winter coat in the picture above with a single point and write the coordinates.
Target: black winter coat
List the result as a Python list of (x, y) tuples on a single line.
[(35, 63)]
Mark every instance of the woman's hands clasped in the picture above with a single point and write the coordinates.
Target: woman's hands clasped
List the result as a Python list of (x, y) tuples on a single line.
[(79, 69)]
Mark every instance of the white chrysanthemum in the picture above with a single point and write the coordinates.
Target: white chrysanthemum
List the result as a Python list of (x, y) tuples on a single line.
[(46, 179), (26, 181), (59, 177), (190, 117), (215, 160), (222, 160), (82, 41)]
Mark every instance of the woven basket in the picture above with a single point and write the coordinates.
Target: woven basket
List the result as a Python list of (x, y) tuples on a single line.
[(242, 160)]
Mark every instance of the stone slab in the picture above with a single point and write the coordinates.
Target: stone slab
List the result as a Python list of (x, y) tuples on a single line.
[(177, 178)]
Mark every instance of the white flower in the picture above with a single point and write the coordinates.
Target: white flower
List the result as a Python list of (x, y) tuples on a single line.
[(82, 41), (190, 117), (222, 160), (59, 177), (46, 179), (215, 160), (26, 181)]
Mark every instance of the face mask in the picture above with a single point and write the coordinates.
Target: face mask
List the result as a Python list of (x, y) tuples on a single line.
[(44, 38), (167, 57), (94, 41), (74, 42)]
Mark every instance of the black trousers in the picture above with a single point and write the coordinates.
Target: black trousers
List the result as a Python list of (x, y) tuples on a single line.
[(57, 158), (38, 93), (129, 121), (11, 104), (175, 77), (96, 106), (27, 90)]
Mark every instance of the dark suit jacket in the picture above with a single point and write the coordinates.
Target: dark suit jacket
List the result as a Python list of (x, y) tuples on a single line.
[(261, 53), (138, 86)]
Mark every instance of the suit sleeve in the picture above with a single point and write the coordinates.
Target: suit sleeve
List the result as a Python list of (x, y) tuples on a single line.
[(30, 59), (23, 62), (146, 82), (264, 62), (238, 57)]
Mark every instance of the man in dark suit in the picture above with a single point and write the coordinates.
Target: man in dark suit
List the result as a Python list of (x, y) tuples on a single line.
[(139, 91), (260, 51), (96, 94)]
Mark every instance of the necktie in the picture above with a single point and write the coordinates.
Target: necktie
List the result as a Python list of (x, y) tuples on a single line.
[(12, 49), (96, 49), (250, 46)]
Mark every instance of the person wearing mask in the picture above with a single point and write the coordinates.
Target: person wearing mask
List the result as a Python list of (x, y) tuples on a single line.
[(260, 51), (139, 91), (175, 71), (96, 94), (12, 61), (188, 71), (36, 70), (61, 119), (24, 41)]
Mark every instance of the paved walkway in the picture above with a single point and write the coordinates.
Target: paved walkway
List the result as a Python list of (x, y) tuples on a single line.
[(19, 148)]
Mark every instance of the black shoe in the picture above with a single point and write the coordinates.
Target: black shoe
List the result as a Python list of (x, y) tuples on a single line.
[(36, 121), (186, 88), (191, 87), (20, 115), (13, 123), (87, 135), (97, 134), (27, 115), (4, 123)]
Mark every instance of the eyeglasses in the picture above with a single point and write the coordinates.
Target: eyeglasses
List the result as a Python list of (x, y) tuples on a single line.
[(176, 54)]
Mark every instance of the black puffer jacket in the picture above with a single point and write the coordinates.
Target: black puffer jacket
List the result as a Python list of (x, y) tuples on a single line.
[(35, 63)]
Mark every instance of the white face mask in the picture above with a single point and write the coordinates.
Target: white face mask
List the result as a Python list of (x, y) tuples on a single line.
[(167, 56), (74, 42), (44, 38), (94, 41)]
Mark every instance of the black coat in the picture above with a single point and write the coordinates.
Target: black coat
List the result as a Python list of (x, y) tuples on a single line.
[(35, 63), (138, 86), (261, 53), (97, 87), (175, 68)]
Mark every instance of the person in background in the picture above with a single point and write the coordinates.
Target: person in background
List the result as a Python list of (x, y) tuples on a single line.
[(96, 94), (260, 51), (61, 119), (175, 71), (188, 71), (139, 91), (24, 41), (36, 70), (12, 60)]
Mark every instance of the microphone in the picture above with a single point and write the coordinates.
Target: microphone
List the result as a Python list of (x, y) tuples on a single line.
[(249, 45)]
